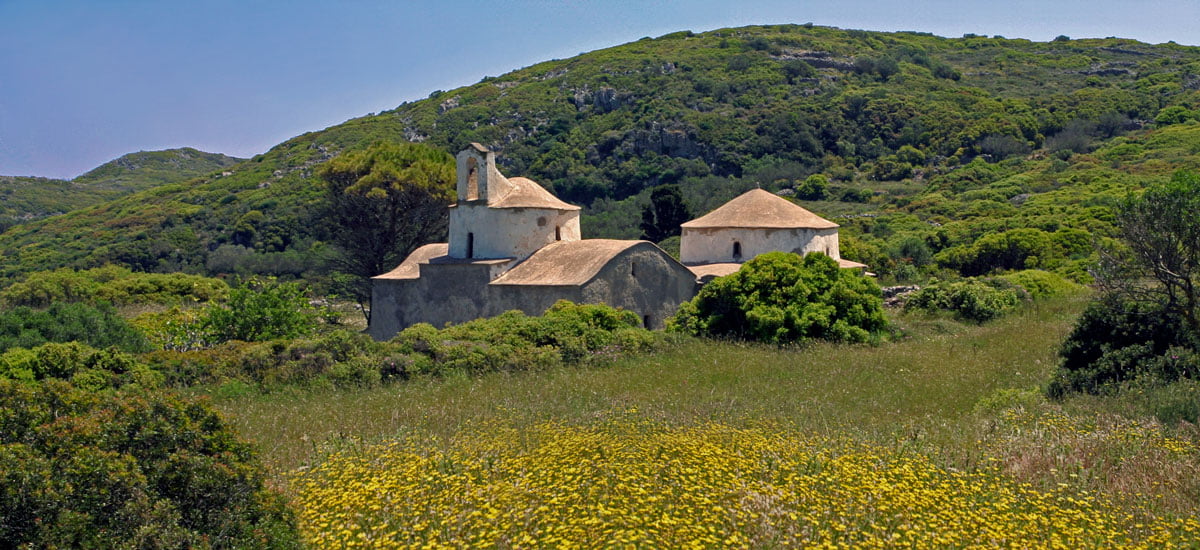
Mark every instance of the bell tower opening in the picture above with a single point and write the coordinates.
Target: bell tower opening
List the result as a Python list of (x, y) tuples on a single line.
[(472, 179)]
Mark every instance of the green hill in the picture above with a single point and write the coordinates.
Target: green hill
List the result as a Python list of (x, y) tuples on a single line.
[(927, 143), (138, 171), (23, 199)]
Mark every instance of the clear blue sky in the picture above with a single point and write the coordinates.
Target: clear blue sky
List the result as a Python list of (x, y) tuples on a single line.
[(85, 81)]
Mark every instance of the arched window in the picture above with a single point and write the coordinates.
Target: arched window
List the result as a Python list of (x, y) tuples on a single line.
[(470, 245), (558, 233), (472, 180), (737, 250)]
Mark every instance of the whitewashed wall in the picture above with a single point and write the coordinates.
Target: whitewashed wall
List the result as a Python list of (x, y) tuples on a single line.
[(706, 246)]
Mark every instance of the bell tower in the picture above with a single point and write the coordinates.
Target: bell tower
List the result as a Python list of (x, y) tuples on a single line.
[(477, 174)]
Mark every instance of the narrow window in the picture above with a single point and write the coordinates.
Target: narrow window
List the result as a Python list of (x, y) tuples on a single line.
[(470, 245), (633, 269), (558, 233), (737, 250), (472, 180), (646, 321)]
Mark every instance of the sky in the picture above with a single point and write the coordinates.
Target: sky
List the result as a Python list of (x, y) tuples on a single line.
[(85, 81)]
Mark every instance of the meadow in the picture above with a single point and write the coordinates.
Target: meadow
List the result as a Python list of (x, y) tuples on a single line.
[(942, 438)]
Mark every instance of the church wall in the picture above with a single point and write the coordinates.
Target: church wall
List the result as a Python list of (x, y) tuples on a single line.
[(642, 279), (508, 232), (533, 300), (645, 280), (715, 245), (444, 293)]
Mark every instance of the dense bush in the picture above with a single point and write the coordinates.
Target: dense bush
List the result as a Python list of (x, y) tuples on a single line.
[(1147, 324), (257, 311), (566, 333), (112, 284), (98, 326), (1117, 340), (1015, 249), (780, 297), (84, 366), (78, 470), (975, 300), (1042, 284)]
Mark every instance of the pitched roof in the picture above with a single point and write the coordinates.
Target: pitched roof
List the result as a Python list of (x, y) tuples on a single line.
[(565, 263), (758, 208), (714, 270), (526, 193), (723, 269), (408, 268)]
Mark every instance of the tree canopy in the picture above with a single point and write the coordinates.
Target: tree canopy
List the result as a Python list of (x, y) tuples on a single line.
[(665, 213), (381, 204)]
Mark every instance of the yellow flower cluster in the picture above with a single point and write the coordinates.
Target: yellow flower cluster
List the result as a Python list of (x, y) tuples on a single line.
[(630, 482)]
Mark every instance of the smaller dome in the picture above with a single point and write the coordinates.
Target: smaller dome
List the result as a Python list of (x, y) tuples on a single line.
[(760, 209)]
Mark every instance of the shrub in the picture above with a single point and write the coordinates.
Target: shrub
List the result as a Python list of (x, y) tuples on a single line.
[(87, 367), (260, 310), (1116, 340), (98, 326), (307, 359), (1022, 248), (970, 300), (567, 333), (1175, 114), (1042, 284), (112, 284), (813, 188), (78, 470), (781, 297)]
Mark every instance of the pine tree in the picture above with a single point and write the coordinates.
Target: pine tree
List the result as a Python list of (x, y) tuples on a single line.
[(665, 213)]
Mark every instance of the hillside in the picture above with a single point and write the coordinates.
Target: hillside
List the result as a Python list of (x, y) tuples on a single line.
[(138, 171), (927, 144), (23, 199)]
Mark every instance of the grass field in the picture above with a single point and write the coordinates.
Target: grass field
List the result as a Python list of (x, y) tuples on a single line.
[(959, 400)]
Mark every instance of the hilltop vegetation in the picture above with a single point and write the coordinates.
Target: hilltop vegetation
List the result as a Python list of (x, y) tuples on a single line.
[(925, 144), (24, 199)]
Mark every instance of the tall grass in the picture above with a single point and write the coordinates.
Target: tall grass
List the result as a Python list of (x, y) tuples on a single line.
[(968, 396)]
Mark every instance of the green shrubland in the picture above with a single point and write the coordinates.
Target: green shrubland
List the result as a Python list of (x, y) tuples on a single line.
[(975, 300), (99, 326), (30, 198), (85, 470), (324, 355), (113, 284), (784, 298), (895, 136), (1142, 334), (85, 367)]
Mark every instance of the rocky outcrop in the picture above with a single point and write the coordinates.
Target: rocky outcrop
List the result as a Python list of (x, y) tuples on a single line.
[(448, 104), (895, 296), (603, 100), (818, 59), (1110, 69), (672, 140)]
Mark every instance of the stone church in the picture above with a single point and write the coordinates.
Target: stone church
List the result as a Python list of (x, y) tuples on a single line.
[(513, 245)]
